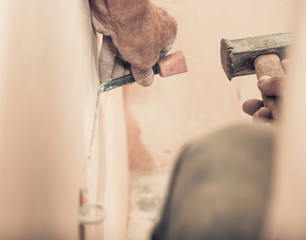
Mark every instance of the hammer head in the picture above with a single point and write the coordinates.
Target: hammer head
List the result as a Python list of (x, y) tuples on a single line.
[(238, 56)]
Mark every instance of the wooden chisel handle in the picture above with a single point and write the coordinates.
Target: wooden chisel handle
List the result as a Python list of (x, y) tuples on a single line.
[(270, 65)]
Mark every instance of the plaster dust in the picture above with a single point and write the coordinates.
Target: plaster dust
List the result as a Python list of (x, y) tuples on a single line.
[(164, 116)]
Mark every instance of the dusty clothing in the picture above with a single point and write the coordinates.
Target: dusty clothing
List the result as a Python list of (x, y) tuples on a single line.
[(220, 186)]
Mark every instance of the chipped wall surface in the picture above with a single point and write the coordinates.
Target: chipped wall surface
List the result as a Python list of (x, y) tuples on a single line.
[(174, 110)]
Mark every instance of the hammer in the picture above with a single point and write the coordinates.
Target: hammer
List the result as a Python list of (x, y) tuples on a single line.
[(261, 55)]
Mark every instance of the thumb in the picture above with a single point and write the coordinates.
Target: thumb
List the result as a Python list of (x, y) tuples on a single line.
[(143, 77)]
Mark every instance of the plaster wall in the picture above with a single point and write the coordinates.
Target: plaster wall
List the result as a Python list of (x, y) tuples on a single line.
[(48, 85)]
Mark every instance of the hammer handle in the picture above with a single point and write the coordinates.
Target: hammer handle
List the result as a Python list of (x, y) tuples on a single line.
[(270, 65)]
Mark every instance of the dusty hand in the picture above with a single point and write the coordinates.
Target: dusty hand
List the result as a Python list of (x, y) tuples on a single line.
[(136, 34), (270, 87)]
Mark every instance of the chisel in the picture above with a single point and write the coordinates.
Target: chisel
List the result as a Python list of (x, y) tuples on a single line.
[(169, 65)]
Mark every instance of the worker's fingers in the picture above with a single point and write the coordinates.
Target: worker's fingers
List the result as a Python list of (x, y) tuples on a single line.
[(263, 114), (251, 106), (285, 64), (107, 59), (143, 77), (271, 86)]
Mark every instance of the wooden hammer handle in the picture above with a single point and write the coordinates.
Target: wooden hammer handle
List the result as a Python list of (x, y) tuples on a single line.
[(270, 65)]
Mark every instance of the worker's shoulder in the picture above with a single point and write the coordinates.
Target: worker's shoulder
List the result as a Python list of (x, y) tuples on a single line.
[(230, 141)]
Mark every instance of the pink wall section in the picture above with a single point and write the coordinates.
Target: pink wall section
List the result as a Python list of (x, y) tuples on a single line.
[(163, 117), (48, 84), (43, 95), (287, 212)]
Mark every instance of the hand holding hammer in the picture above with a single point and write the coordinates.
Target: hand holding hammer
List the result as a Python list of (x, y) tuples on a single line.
[(261, 55)]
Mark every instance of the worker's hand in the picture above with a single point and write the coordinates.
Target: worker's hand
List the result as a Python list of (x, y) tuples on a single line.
[(137, 33), (270, 87)]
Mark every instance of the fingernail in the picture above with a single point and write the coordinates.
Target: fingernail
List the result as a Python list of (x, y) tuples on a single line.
[(263, 79)]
